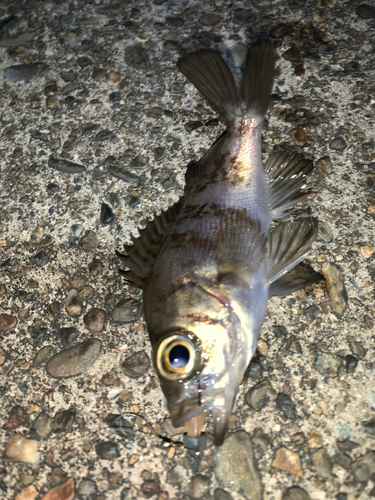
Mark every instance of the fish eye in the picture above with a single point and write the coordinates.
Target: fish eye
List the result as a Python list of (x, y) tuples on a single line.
[(176, 356)]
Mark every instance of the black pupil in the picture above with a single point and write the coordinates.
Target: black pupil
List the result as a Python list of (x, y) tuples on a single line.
[(179, 356)]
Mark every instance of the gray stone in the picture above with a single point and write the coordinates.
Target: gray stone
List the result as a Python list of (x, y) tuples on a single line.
[(89, 241), (136, 365), (123, 174), (338, 296), (135, 56), (127, 311), (260, 395), (364, 467), (236, 468), (328, 364), (295, 493), (322, 463), (107, 450), (17, 40), (66, 166), (75, 360)]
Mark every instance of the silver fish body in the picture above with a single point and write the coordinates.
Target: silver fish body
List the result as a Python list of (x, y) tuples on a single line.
[(208, 265)]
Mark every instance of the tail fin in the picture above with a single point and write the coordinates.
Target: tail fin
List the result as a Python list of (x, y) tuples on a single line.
[(257, 81), (210, 74)]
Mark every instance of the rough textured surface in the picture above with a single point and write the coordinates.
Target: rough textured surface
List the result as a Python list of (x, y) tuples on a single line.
[(95, 113)]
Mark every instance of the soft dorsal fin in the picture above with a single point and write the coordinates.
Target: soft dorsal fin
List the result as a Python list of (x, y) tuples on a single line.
[(297, 278), (239, 245), (286, 174), (140, 256), (287, 245)]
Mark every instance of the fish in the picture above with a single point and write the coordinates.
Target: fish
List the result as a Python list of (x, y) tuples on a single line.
[(209, 263)]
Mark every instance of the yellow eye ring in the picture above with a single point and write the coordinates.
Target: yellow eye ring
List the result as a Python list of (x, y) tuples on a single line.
[(177, 355)]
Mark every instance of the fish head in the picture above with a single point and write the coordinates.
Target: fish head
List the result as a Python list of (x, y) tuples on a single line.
[(201, 354)]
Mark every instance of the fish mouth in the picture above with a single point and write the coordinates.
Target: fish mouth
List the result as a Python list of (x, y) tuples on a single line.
[(193, 418)]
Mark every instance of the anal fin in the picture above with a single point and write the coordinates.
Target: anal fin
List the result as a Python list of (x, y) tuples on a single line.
[(239, 246), (287, 246), (297, 278)]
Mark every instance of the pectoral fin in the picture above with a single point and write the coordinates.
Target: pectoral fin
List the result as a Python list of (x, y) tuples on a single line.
[(287, 245), (297, 278), (239, 246)]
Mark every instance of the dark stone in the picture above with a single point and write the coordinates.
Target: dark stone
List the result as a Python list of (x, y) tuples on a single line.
[(121, 427), (115, 96), (312, 313), (351, 363), (68, 335), (136, 366), (260, 395), (39, 136), (295, 493), (159, 153), (135, 56), (369, 428), (286, 405), (244, 17), (279, 331), (68, 76), (255, 369), (66, 166), (107, 450), (365, 11), (106, 214), (107, 135), (40, 259), (84, 61), (346, 445), (190, 126), (140, 162), (174, 21), (327, 48), (195, 450), (127, 311), (123, 174), (63, 420)]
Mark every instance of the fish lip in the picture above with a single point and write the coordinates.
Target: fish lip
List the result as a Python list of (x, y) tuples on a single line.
[(182, 412)]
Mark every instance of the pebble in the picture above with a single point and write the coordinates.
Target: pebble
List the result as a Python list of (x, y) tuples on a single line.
[(286, 405), (73, 305), (367, 251), (369, 428), (176, 475), (107, 450), (42, 425), (65, 491), (29, 493), (16, 41), (199, 487), (288, 461), (365, 11), (2, 358), (292, 54), (17, 417), (114, 78), (86, 292), (159, 153), (260, 395), (63, 420), (75, 360), (364, 467), (121, 427), (123, 174), (338, 297), (351, 363), (66, 166), (209, 19), (68, 334), (7, 322), (328, 364), (220, 494), (94, 320), (136, 365), (43, 354), (295, 493), (127, 311), (236, 468), (193, 125), (357, 348), (40, 259), (139, 162), (327, 48), (135, 56), (347, 445), (21, 449), (25, 72), (106, 214), (300, 137), (107, 135), (315, 439), (324, 166), (244, 17), (322, 463), (324, 232), (87, 489), (338, 144), (89, 241)]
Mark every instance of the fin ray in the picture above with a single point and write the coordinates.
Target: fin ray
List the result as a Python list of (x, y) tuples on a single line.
[(297, 278), (287, 245)]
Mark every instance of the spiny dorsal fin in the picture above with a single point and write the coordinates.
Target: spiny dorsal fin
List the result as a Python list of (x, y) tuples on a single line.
[(239, 245), (287, 245), (286, 174), (140, 256), (297, 278), (210, 74)]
